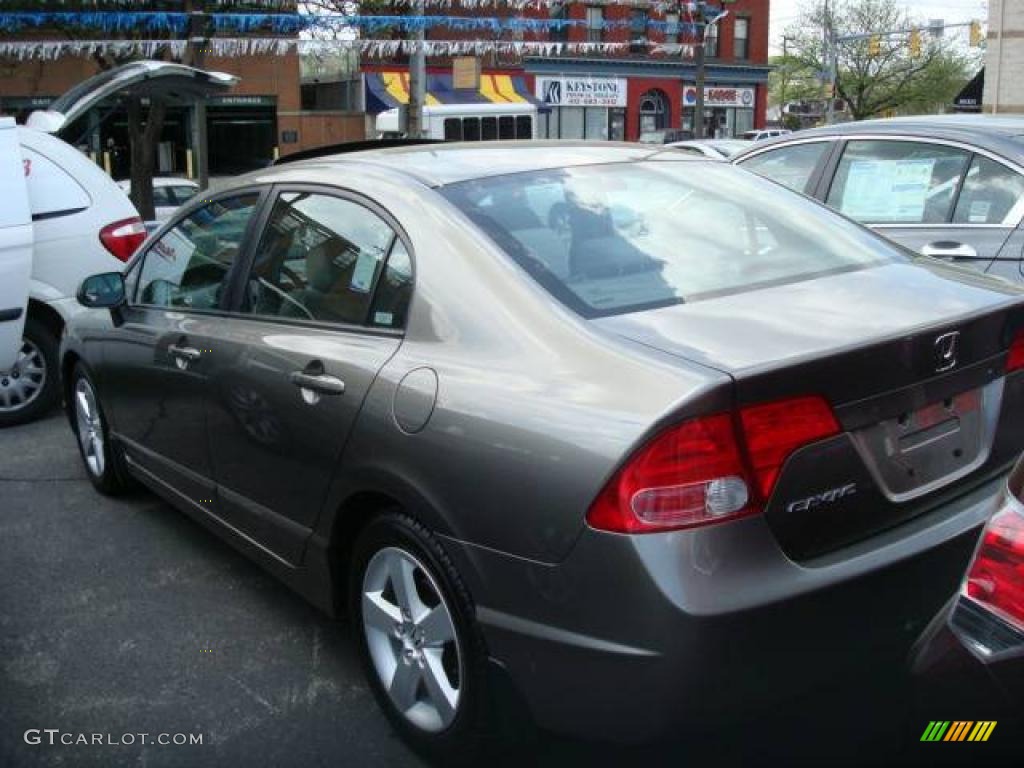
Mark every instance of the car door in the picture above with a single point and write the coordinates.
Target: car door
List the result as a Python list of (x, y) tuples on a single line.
[(154, 370), (15, 251), (910, 191), (798, 165), (321, 310)]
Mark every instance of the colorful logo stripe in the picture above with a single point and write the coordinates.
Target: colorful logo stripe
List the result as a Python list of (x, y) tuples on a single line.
[(958, 730)]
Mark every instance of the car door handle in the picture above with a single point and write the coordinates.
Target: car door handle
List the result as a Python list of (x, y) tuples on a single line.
[(320, 383), (949, 249), (189, 354)]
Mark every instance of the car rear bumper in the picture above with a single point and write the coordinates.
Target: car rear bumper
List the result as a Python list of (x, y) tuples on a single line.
[(631, 637)]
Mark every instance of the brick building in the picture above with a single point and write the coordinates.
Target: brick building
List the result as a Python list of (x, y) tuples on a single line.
[(267, 114), (620, 95)]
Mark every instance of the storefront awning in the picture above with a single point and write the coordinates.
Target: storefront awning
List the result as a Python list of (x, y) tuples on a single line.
[(387, 90)]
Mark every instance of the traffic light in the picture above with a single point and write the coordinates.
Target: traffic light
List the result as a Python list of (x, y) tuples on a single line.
[(975, 33), (915, 43), (874, 45)]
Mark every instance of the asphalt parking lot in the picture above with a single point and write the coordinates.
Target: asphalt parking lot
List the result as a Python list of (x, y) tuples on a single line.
[(124, 617)]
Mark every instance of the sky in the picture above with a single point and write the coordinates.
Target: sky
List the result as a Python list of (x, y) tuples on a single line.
[(785, 12)]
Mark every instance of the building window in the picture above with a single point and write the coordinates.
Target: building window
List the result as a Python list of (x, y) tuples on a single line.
[(558, 12), (595, 24), (653, 111), (711, 41), (741, 46), (671, 28), (638, 31)]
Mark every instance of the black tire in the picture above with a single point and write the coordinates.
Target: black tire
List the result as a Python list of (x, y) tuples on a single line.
[(468, 736), (37, 339), (108, 476)]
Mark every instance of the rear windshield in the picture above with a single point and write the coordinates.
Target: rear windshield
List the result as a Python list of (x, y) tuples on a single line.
[(618, 238)]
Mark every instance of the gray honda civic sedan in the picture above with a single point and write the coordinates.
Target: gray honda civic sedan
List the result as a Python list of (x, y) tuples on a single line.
[(633, 439)]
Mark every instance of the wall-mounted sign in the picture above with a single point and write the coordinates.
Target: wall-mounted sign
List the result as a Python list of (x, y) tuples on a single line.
[(720, 96), (581, 91), (289, 137), (466, 73), (242, 101)]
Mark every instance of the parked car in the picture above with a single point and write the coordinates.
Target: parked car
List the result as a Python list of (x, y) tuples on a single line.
[(643, 470), (64, 219), (971, 660), (760, 134), (949, 186), (76, 222), (665, 136), (717, 149), (169, 193)]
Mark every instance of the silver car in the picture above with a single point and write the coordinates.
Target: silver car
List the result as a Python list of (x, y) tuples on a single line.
[(948, 186), (633, 439)]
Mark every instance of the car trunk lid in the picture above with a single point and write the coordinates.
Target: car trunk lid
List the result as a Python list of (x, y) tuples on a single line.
[(911, 359)]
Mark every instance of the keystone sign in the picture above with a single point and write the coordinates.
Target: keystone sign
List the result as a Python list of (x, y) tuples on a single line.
[(715, 96), (582, 91)]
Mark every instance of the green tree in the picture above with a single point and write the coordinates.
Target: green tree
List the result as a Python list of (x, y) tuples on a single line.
[(890, 77)]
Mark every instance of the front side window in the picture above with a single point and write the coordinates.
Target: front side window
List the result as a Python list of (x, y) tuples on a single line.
[(992, 194), (319, 258), (897, 182), (188, 267), (790, 166), (616, 238)]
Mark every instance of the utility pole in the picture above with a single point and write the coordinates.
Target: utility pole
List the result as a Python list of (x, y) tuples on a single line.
[(829, 40), (194, 57), (698, 109), (417, 78)]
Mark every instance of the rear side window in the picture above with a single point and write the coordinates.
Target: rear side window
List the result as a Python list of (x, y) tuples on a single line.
[(52, 191), (319, 258), (184, 194), (897, 182), (188, 266), (615, 238), (790, 166), (162, 196), (990, 194), (453, 129)]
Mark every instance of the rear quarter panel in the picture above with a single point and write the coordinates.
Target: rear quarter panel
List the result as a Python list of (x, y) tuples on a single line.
[(534, 407)]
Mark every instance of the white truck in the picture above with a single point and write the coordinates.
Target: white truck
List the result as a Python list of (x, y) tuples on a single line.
[(62, 219), (467, 122)]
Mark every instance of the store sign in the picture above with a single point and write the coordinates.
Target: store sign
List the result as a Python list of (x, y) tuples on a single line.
[(582, 91), (717, 96), (242, 101)]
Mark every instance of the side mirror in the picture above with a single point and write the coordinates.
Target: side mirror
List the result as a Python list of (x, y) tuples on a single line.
[(102, 291)]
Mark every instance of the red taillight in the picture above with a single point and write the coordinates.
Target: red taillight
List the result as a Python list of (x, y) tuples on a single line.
[(775, 430), (996, 577), (123, 237), (696, 473), (1015, 359)]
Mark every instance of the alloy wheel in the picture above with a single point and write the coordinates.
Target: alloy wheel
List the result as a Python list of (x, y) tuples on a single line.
[(90, 427), (22, 384), (412, 639)]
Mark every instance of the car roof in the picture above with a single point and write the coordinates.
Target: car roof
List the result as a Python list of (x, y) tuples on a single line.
[(999, 134), (439, 164)]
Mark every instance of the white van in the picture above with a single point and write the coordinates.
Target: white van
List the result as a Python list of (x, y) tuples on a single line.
[(467, 122), (62, 219)]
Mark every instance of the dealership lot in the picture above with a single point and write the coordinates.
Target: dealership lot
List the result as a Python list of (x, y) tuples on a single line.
[(124, 617)]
